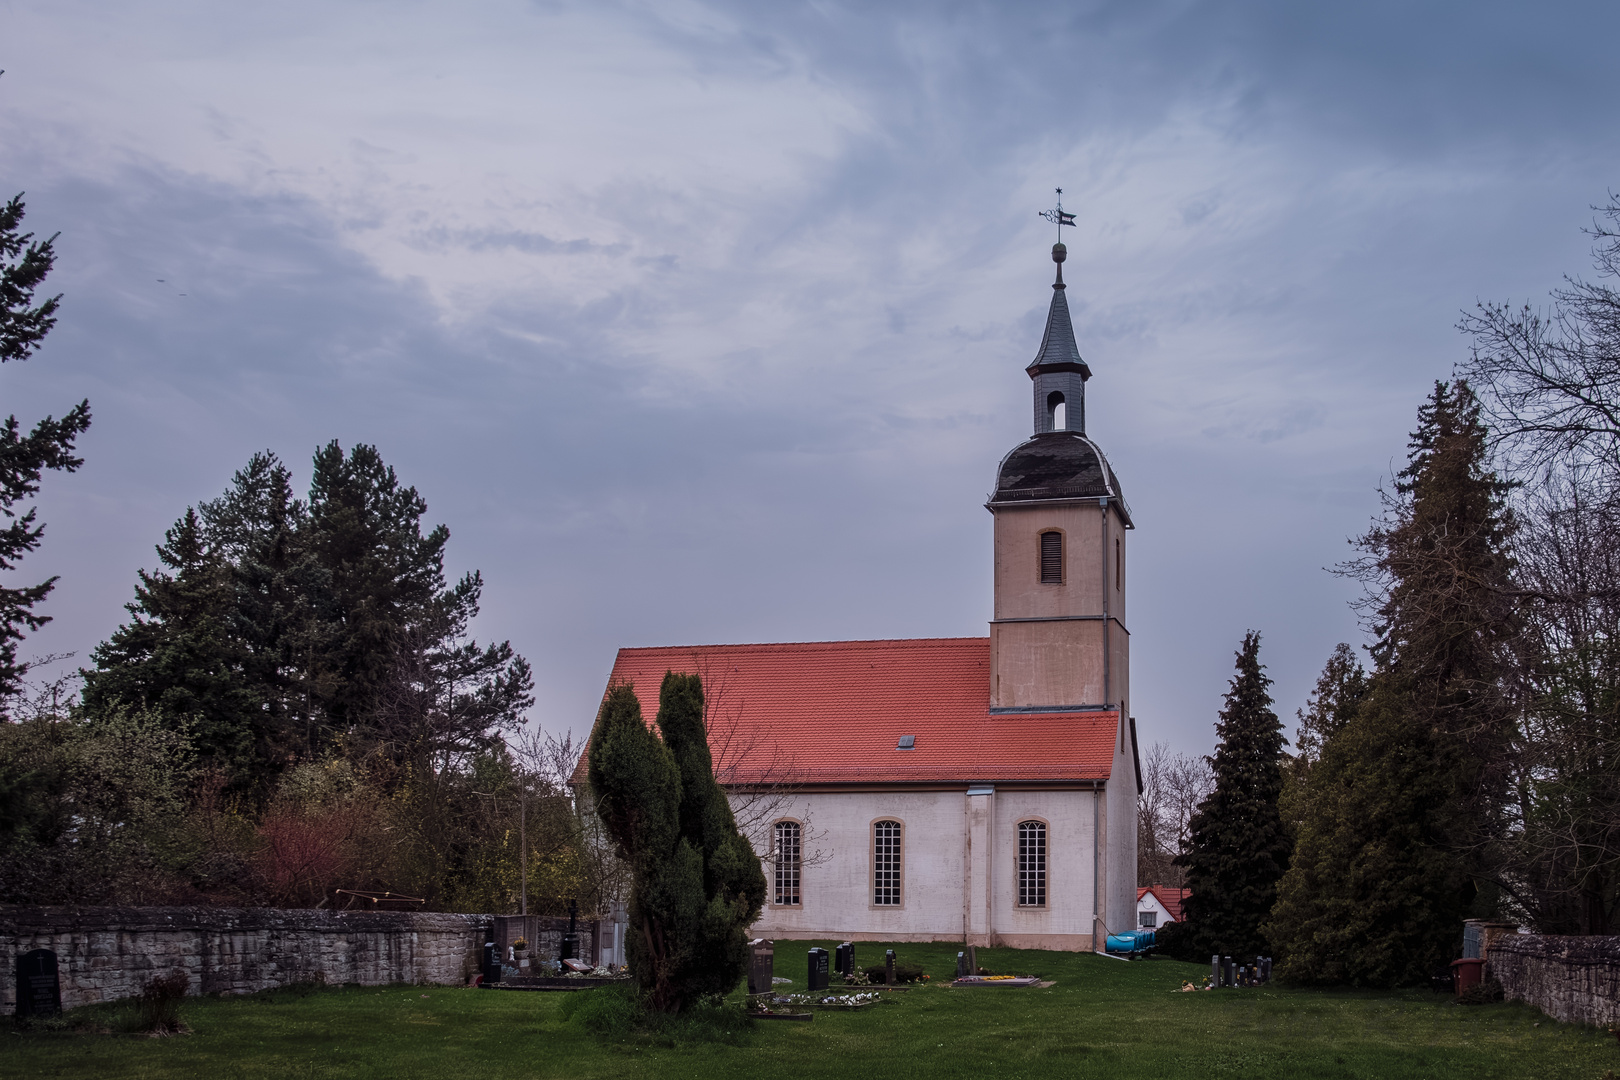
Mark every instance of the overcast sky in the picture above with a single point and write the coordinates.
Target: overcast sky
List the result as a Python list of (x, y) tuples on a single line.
[(706, 322)]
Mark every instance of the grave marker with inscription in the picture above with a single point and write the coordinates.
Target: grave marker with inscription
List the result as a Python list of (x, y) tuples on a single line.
[(761, 965), (819, 968), (39, 988)]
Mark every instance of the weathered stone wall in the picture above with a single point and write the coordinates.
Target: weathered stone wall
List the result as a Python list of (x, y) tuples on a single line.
[(1573, 979), (107, 953)]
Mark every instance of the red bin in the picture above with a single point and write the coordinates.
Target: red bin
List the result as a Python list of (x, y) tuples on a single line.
[(1466, 973)]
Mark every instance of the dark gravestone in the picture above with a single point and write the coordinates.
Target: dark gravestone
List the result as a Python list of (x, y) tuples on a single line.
[(761, 965), (962, 965), (1229, 976), (888, 967), (39, 990), (492, 964), (844, 959), (819, 969), (570, 940)]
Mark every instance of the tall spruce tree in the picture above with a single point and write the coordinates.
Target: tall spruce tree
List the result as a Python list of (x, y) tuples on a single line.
[(1239, 846), (1402, 819), (24, 263), (696, 884), (278, 630)]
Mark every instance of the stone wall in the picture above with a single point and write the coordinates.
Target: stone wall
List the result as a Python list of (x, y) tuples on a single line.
[(1573, 979), (107, 953)]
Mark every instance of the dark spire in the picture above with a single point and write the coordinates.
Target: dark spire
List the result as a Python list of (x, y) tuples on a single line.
[(1059, 373), (1057, 344)]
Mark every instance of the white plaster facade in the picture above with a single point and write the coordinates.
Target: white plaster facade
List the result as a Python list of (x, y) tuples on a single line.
[(960, 862)]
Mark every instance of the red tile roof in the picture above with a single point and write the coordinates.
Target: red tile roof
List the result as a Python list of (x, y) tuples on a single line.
[(833, 712), (1170, 899)]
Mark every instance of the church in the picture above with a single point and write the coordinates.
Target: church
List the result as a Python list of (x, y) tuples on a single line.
[(981, 789)]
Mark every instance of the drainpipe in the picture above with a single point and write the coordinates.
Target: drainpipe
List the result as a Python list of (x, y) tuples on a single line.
[(1096, 915), (1102, 503)]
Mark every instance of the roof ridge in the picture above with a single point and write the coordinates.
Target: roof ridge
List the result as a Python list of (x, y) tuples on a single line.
[(771, 646)]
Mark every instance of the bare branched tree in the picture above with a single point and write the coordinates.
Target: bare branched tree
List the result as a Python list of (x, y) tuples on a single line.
[(1550, 379), (761, 779), (1172, 787)]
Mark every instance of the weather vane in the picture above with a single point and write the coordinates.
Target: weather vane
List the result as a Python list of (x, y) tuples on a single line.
[(1058, 217)]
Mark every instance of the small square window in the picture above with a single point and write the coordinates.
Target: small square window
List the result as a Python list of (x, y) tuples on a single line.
[(1148, 919)]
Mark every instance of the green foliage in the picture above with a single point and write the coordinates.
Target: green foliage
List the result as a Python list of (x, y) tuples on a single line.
[(1239, 846), (1371, 899), (697, 886), (24, 264), (89, 806), (619, 1014), (279, 630), (1402, 815)]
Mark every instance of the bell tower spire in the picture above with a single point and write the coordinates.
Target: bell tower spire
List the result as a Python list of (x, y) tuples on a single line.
[(1058, 371)]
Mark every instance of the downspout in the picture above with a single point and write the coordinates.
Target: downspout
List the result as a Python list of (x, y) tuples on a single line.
[(1102, 503), (1096, 915)]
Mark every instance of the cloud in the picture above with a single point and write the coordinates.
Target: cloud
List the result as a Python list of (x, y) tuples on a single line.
[(707, 322)]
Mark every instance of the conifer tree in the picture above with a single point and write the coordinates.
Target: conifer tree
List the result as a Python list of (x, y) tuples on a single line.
[(733, 883), (696, 884), (178, 657), (1239, 846), (24, 263), (1401, 820)]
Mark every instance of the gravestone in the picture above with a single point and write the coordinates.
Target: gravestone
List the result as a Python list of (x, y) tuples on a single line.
[(888, 967), (39, 989), (492, 963), (819, 969), (1215, 971), (962, 965), (569, 947), (844, 959), (1230, 971), (761, 965)]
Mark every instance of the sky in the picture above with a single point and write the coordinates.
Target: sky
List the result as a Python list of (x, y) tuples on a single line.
[(706, 322)]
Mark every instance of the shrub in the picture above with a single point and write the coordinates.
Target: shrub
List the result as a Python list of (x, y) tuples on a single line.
[(903, 973), (1482, 993), (621, 1014), (159, 1004)]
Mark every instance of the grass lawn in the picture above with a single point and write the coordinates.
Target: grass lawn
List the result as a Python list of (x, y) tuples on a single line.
[(1103, 1018)]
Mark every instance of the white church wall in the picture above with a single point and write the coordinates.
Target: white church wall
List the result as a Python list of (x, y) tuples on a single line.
[(1065, 921), (836, 883), (1119, 885)]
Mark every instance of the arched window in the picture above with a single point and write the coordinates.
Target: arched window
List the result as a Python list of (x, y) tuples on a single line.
[(1051, 558), (789, 837), (1056, 411), (1032, 864), (886, 863)]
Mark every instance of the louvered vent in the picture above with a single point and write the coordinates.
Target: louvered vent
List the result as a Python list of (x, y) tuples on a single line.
[(1051, 558)]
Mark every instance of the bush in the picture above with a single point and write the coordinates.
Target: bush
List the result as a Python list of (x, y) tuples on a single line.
[(1482, 993), (159, 1004), (1176, 940), (620, 1014), (903, 973)]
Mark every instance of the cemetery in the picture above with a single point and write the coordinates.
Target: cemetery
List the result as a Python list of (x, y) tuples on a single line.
[(1085, 1015)]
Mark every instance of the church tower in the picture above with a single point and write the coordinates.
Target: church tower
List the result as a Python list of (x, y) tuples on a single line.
[(1057, 639)]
